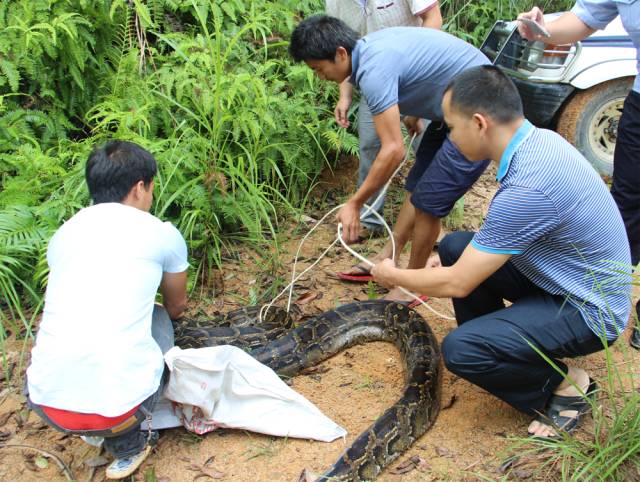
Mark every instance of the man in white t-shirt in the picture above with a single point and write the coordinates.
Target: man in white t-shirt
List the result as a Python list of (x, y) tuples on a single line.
[(365, 17), (97, 366)]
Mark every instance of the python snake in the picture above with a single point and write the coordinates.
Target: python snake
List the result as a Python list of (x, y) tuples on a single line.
[(289, 350)]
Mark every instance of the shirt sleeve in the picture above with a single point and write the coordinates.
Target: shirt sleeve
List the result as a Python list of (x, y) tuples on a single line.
[(418, 7), (595, 13), (517, 218), (175, 260), (380, 85)]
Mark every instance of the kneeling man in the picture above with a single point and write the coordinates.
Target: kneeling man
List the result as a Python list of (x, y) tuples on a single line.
[(553, 244), (97, 366)]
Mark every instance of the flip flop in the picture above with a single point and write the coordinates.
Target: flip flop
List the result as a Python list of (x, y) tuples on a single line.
[(365, 277), (559, 403), (416, 303)]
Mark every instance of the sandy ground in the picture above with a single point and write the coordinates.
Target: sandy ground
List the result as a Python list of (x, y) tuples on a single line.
[(468, 441)]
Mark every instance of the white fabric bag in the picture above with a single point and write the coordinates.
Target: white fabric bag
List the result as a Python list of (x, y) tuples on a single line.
[(223, 386)]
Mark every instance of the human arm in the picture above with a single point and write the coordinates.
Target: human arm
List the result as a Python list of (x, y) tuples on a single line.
[(174, 293), (566, 29), (341, 111), (431, 17), (457, 281), (387, 125)]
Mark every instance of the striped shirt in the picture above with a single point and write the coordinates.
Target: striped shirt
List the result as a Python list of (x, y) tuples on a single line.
[(555, 215), (371, 15)]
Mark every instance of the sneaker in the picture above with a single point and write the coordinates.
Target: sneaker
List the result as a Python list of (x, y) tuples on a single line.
[(121, 468)]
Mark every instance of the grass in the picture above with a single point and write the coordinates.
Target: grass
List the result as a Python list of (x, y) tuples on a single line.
[(369, 384), (609, 450), (267, 449), (454, 221), (372, 293)]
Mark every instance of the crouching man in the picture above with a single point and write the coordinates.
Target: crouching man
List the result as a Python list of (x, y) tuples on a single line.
[(97, 366), (553, 244)]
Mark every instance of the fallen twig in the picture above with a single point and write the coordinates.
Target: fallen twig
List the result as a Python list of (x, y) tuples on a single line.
[(64, 467)]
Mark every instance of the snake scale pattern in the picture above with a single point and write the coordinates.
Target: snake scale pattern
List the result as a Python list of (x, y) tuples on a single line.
[(288, 350)]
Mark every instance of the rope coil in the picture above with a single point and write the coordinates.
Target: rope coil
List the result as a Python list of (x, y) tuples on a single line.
[(368, 209)]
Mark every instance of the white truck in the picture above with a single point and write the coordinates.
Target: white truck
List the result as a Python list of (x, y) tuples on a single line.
[(577, 90)]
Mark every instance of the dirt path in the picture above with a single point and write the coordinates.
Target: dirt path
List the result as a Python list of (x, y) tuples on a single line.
[(467, 442)]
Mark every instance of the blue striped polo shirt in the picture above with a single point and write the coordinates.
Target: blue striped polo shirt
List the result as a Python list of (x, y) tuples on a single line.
[(555, 215)]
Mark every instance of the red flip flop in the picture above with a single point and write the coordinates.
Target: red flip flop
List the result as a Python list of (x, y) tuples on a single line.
[(416, 303), (365, 277)]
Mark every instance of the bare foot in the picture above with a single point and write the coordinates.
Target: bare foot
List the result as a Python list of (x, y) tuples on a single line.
[(359, 269), (581, 379), (395, 294)]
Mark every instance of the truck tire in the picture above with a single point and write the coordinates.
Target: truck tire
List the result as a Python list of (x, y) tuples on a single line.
[(589, 120)]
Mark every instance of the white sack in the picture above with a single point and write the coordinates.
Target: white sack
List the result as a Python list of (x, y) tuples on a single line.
[(223, 386)]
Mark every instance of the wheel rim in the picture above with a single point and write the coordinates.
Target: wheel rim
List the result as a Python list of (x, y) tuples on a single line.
[(603, 129)]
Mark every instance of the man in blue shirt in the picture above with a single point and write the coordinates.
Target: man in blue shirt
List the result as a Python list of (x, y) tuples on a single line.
[(585, 18), (552, 244), (400, 70)]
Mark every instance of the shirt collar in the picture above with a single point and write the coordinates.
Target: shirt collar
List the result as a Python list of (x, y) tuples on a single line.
[(516, 141)]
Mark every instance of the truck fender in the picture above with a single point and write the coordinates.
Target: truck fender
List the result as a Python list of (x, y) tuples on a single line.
[(602, 72)]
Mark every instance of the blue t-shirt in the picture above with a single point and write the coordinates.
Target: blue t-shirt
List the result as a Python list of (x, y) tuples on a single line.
[(598, 13), (555, 215), (410, 67)]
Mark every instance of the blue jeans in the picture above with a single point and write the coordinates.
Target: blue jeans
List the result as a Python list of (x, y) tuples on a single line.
[(492, 346), (131, 440)]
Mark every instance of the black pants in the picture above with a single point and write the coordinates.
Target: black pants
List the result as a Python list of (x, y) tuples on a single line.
[(490, 348), (626, 172), (626, 175), (130, 441)]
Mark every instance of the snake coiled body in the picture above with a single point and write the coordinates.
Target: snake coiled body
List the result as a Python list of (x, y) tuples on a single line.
[(319, 338)]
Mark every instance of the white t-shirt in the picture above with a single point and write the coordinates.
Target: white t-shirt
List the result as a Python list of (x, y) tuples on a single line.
[(94, 352)]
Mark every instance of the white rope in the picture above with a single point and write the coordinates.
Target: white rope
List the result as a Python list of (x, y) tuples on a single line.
[(405, 291), (368, 209)]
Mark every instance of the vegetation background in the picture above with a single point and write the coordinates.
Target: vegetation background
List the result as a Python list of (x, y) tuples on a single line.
[(239, 131), (241, 135)]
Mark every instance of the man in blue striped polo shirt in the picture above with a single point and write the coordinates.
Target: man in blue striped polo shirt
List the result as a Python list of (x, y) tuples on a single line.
[(553, 244)]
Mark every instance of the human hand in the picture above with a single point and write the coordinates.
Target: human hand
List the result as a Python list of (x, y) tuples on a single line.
[(341, 112), (349, 216), (382, 271), (527, 31), (414, 125)]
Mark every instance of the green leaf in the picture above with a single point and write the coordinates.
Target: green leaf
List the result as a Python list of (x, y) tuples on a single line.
[(11, 73)]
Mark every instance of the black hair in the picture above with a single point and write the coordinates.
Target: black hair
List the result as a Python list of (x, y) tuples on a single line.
[(487, 90), (318, 37), (113, 169)]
